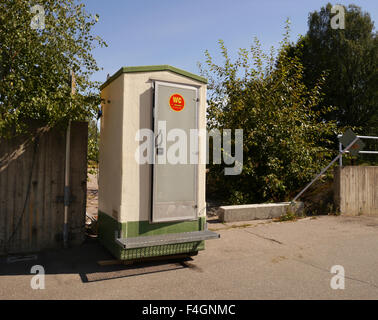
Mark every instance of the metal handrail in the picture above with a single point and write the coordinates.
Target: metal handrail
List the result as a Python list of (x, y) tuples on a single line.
[(325, 169), (362, 152), (340, 158)]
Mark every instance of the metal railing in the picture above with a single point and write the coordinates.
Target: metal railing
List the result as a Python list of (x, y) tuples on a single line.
[(361, 152), (340, 158)]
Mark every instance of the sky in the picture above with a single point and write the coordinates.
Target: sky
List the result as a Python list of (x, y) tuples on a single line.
[(177, 32)]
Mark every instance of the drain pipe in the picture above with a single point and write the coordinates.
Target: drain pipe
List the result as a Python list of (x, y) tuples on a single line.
[(67, 185), (67, 191)]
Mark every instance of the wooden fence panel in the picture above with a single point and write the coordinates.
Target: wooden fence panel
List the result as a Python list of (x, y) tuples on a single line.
[(356, 190), (32, 188)]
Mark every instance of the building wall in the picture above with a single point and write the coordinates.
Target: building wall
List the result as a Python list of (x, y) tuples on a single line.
[(32, 189), (356, 190)]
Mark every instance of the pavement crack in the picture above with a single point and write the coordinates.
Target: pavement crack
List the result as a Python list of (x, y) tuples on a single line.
[(265, 238), (327, 271)]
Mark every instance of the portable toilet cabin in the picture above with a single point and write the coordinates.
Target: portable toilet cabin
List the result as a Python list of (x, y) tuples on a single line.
[(150, 203)]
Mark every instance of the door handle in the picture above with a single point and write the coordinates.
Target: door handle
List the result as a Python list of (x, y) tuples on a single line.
[(157, 138)]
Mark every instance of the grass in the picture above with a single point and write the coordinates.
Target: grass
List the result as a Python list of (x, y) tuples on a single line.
[(289, 216)]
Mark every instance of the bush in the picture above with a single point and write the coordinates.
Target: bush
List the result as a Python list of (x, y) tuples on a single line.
[(285, 142)]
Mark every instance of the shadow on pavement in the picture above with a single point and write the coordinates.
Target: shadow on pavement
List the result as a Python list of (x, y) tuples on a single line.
[(83, 260)]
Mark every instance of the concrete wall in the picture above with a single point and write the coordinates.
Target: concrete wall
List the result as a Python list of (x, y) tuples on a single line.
[(32, 189), (356, 190), (133, 93), (258, 211)]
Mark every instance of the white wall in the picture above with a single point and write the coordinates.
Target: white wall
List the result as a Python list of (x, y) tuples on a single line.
[(110, 158)]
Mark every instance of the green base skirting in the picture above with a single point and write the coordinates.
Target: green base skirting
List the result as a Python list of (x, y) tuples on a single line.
[(109, 228)]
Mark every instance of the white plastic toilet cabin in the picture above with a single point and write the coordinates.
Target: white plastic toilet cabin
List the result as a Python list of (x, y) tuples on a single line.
[(159, 207)]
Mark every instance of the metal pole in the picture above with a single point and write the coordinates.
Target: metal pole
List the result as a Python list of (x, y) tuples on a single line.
[(67, 185), (67, 192), (341, 158), (325, 169)]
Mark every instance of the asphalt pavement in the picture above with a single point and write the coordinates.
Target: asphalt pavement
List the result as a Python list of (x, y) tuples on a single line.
[(251, 260)]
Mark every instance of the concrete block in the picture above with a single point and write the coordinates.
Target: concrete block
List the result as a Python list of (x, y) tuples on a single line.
[(257, 211)]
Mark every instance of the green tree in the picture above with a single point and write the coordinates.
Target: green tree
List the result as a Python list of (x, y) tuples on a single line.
[(93, 142), (285, 143), (35, 63), (350, 58)]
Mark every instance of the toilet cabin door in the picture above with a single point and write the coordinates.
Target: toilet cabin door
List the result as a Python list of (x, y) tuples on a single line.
[(174, 171)]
